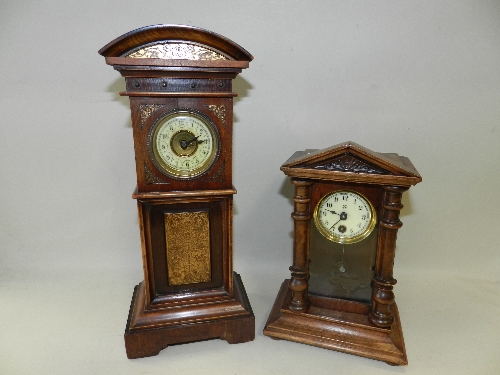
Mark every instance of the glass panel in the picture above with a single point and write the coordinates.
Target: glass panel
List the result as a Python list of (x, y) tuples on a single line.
[(342, 271)]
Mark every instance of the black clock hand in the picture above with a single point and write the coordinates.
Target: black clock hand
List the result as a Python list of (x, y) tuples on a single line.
[(334, 225), (185, 144), (343, 215)]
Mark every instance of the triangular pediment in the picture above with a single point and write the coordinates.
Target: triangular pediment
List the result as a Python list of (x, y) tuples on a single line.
[(349, 161)]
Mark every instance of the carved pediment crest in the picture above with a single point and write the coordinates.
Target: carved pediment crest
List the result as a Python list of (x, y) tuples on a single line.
[(349, 161)]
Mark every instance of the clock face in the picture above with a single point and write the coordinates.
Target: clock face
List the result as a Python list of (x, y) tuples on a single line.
[(184, 144), (344, 217)]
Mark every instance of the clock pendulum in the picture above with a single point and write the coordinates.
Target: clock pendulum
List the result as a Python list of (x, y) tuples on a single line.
[(340, 294), (179, 81)]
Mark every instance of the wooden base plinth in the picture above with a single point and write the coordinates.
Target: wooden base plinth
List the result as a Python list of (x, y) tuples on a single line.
[(150, 331), (337, 325)]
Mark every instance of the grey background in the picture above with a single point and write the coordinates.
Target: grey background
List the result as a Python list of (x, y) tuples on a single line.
[(418, 78)]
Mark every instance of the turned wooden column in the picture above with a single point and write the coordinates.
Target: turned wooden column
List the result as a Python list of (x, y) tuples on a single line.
[(300, 268), (383, 282)]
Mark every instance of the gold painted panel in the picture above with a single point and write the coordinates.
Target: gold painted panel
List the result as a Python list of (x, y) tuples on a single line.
[(219, 111), (188, 247), (147, 110), (177, 51)]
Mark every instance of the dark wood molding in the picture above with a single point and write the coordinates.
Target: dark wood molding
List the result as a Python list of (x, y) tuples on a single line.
[(150, 331), (129, 61), (180, 94)]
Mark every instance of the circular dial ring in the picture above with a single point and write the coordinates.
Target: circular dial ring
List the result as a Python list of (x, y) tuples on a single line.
[(345, 216), (184, 144)]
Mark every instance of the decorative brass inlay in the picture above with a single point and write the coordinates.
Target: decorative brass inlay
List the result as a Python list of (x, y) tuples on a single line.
[(188, 247), (151, 178), (176, 51), (147, 110), (219, 111), (219, 175)]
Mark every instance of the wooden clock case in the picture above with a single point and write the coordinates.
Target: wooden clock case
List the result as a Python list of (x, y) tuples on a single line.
[(169, 68), (372, 331)]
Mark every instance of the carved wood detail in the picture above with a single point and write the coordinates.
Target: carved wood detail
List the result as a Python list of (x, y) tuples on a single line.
[(348, 163), (151, 178), (219, 175)]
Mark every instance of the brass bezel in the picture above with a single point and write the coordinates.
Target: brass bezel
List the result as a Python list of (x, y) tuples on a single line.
[(176, 173), (345, 239)]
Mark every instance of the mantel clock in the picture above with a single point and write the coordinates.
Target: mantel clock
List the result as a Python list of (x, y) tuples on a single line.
[(179, 81), (346, 217)]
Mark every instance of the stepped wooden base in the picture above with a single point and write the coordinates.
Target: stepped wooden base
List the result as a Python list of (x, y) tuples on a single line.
[(150, 331), (337, 325)]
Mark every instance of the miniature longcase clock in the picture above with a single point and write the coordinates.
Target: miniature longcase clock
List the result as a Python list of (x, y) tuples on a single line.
[(346, 217), (179, 81)]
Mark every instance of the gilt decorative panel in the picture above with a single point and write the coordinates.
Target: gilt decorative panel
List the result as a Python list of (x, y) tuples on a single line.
[(188, 247)]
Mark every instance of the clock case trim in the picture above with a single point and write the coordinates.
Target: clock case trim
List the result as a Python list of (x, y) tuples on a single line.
[(343, 325)]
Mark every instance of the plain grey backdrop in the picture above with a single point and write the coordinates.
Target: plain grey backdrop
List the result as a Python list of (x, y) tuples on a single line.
[(419, 78)]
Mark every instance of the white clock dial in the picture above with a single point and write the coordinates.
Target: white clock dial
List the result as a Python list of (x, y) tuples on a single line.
[(344, 217), (184, 144)]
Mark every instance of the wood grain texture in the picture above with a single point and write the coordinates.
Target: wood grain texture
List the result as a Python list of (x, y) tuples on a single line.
[(178, 63), (150, 331), (337, 325), (300, 268), (383, 282)]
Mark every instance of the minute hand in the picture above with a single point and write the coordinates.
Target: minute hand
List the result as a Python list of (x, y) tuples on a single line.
[(334, 224)]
